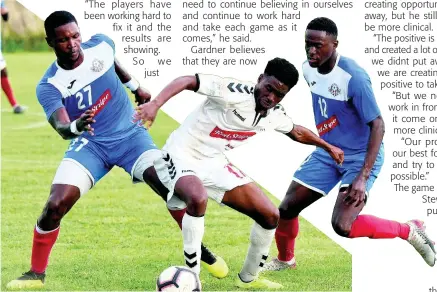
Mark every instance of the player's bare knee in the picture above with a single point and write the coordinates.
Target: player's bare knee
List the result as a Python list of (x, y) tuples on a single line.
[(341, 227), (270, 219), (286, 211), (196, 206)]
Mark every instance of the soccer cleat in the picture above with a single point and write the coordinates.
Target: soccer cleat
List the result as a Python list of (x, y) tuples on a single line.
[(277, 265), (215, 265), (18, 109), (258, 283), (421, 242), (29, 280)]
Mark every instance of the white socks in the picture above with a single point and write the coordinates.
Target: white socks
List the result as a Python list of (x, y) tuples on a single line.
[(193, 229), (260, 242)]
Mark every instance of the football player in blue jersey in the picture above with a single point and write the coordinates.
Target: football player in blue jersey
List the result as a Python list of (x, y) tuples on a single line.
[(347, 116), (84, 100)]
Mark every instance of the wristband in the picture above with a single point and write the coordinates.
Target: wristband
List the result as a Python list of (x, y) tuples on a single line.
[(132, 84), (73, 128)]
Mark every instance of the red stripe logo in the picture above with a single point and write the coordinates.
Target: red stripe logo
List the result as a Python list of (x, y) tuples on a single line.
[(230, 135), (101, 102), (327, 126)]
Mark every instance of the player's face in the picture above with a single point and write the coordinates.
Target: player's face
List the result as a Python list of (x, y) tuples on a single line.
[(319, 47), (269, 91), (66, 42)]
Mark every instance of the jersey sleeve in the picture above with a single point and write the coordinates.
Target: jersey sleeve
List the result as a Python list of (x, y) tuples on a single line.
[(98, 38), (282, 122), (49, 97), (363, 98)]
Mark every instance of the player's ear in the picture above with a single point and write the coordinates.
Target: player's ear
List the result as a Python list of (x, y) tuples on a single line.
[(335, 44)]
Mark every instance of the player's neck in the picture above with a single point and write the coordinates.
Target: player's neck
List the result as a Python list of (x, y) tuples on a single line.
[(69, 65), (328, 65)]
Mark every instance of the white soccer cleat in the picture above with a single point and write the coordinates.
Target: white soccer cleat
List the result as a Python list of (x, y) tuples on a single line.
[(421, 242), (277, 265)]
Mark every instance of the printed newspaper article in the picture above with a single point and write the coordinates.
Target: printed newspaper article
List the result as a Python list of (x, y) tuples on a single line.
[(219, 145)]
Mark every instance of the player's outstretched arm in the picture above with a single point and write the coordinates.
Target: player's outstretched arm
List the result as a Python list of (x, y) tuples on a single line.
[(142, 95), (306, 136), (147, 112), (69, 130)]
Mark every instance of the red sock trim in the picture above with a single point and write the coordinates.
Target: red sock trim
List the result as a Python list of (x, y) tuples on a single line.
[(6, 86), (41, 249), (285, 237), (377, 228)]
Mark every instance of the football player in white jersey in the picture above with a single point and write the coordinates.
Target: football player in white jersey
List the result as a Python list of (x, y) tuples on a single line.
[(346, 115), (194, 155)]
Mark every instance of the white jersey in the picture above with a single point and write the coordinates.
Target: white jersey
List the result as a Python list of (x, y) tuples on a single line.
[(225, 120)]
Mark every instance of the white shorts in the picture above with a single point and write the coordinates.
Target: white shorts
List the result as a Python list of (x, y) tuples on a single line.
[(2, 62), (218, 176)]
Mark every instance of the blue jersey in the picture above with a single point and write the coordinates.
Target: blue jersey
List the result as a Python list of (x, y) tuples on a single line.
[(94, 84), (343, 104)]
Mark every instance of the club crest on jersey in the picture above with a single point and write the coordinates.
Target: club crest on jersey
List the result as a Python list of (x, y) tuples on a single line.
[(97, 65), (334, 89)]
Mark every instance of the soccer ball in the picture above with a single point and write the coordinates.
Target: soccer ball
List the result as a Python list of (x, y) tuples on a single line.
[(175, 279)]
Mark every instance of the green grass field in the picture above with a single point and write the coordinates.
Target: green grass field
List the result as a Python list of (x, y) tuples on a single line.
[(120, 236)]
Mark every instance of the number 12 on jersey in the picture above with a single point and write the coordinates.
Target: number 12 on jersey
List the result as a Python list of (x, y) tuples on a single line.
[(83, 95), (323, 107)]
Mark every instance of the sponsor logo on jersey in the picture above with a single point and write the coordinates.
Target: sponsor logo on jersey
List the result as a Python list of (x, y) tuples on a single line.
[(71, 84), (230, 135), (102, 101), (327, 125), (313, 83), (334, 89), (238, 115)]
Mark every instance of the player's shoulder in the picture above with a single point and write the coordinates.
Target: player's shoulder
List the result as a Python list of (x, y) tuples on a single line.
[(351, 67), (238, 90), (96, 40), (48, 75)]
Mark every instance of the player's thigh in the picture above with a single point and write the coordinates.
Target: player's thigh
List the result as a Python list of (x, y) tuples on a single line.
[(317, 175), (250, 200), (136, 154), (352, 168), (88, 157), (183, 182)]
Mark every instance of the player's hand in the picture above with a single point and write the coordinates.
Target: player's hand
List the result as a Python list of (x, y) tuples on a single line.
[(84, 122), (356, 193), (142, 96), (146, 113), (337, 154)]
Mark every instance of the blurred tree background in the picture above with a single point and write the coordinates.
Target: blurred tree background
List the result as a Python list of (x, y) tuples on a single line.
[(24, 31)]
